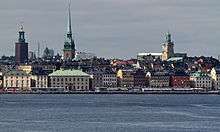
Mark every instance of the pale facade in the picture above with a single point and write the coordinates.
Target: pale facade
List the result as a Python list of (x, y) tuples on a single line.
[(39, 81), (17, 79), (159, 80), (72, 80)]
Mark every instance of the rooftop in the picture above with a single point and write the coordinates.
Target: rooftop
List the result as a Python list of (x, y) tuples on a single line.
[(69, 72)]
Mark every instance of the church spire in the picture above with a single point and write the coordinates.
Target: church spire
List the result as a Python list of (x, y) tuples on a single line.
[(69, 28)]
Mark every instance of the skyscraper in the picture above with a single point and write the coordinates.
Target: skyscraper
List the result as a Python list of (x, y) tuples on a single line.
[(168, 47), (69, 45), (21, 48)]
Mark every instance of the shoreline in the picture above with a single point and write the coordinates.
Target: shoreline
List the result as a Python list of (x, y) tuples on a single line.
[(121, 92)]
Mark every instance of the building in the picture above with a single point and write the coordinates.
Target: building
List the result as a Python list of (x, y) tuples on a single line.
[(140, 79), (48, 54), (149, 57), (71, 80), (180, 80), (167, 48), (109, 79), (69, 44), (97, 77), (215, 74), (201, 80), (125, 78), (159, 80), (39, 79), (84, 56), (21, 48), (17, 79)]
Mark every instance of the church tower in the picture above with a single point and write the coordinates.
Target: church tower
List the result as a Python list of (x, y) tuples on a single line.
[(69, 45), (167, 47), (21, 48)]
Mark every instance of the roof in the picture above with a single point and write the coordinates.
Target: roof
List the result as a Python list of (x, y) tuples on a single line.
[(69, 72), (16, 73), (175, 59), (146, 54), (200, 74)]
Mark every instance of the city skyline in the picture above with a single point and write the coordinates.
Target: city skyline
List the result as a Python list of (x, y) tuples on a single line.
[(110, 26)]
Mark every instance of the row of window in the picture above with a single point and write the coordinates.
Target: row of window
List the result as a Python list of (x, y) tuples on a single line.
[(69, 79)]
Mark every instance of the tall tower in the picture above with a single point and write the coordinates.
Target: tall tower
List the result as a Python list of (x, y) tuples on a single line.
[(69, 45), (21, 48), (167, 47)]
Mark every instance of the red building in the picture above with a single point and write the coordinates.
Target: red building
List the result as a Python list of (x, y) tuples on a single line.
[(180, 80)]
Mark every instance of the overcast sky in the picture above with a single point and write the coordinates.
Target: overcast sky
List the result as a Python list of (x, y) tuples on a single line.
[(114, 28)]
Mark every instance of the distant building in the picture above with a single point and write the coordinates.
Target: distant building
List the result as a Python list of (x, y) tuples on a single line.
[(125, 78), (69, 50), (17, 79), (97, 77), (140, 79), (84, 56), (215, 74), (31, 55), (48, 54), (159, 80), (39, 79), (109, 79), (180, 80), (149, 57), (201, 80), (72, 80), (21, 48)]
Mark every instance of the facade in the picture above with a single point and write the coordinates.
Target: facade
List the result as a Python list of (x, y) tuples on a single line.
[(215, 74), (180, 80), (201, 80), (72, 80), (109, 80), (17, 79), (140, 79), (168, 48), (97, 77), (159, 80), (39, 79), (69, 44), (21, 48), (125, 78)]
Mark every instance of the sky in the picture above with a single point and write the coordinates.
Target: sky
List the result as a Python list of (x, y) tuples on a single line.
[(113, 28)]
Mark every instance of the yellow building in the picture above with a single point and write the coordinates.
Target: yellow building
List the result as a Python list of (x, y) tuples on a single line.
[(215, 74)]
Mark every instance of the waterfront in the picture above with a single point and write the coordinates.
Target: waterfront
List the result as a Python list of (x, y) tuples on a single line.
[(108, 113)]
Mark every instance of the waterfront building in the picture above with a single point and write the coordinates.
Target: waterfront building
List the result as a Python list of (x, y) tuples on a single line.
[(159, 80), (201, 80), (72, 80), (109, 79), (17, 79), (97, 77), (140, 79), (125, 78), (39, 79), (215, 74), (69, 50), (21, 48), (180, 80)]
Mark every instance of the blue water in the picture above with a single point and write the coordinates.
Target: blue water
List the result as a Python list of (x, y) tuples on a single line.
[(109, 113)]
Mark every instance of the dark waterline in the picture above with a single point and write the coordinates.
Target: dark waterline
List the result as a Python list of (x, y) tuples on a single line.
[(108, 113)]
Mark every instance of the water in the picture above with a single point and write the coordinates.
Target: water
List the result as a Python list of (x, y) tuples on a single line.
[(109, 113)]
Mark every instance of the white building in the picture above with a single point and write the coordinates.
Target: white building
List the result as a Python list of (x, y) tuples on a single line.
[(73, 80)]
